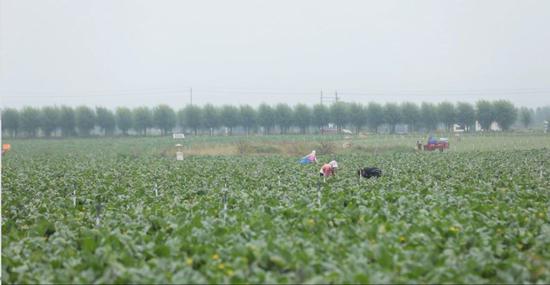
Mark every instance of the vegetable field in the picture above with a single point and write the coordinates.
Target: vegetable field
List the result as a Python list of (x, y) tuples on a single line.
[(115, 211)]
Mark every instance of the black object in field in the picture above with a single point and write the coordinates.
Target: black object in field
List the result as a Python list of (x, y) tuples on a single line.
[(369, 172)]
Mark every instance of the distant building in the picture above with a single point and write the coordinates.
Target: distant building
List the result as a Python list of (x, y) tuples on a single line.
[(458, 128), (494, 127)]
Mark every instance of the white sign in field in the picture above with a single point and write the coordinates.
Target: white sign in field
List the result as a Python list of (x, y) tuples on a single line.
[(179, 152), (178, 136)]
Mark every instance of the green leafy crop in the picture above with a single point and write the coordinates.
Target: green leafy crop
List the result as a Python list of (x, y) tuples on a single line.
[(458, 217)]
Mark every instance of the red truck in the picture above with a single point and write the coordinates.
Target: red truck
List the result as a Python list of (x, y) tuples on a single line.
[(434, 144)]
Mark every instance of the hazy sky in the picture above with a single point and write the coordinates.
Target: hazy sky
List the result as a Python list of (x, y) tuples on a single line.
[(131, 53)]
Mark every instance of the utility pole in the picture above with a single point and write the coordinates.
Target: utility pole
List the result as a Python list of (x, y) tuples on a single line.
[(191, 95), (329, 99)]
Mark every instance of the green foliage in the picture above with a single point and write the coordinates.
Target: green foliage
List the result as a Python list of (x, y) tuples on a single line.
[(392, 115), (193, 117), (10, 121), (339, 114), (248, 117), (212, 117), (164, 118), (85, 120), (485, 114), (49, 118), (67, 121), (526, 116), (357, 116), (283, 117), (142, 119), (30, 120), (410, 115), (106, 120), (375, 116), (428, 113), (266, 117), (465, 115), (302, 117), (321, 115), (124, 120), (452, 217), (446, 114), (230, 116), (505, 114)]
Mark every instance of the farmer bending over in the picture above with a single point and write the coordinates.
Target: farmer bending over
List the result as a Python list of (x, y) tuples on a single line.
[(310, 158), (328, 169)]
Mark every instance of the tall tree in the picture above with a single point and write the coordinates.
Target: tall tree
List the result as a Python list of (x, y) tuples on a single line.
[(230, 117), (465, 115), (30, 120), (10, 121), (49, 119), (211, 117), (321, 116), (164, 118), (485, 114), (411, 115), (266, 117), (248, 117), (85, 120), (143, 119), (67, 121), (106, 120), (505, 114), (357, 116), (193, 117), (446, 114), (302, 117), (375, 116), (339, 114), (392, 115), (526, 116), (542, 114), (428, 116), (283, 117), (180, 115), (124, 119)]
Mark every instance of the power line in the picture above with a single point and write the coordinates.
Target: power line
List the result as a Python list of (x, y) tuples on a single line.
[(23, 94)]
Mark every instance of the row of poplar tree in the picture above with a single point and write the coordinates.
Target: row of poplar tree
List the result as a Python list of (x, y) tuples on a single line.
[(68, 121)]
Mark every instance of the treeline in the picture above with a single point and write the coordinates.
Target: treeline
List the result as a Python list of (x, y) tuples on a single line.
[(281, 118)]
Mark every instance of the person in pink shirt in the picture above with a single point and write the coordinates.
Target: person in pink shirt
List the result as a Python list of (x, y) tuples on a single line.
[(310, 158), (328, 169)]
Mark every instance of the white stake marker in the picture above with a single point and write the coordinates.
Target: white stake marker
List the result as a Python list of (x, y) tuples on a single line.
[(74, 198), (319, 198), (319, 193), (224, 203)]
